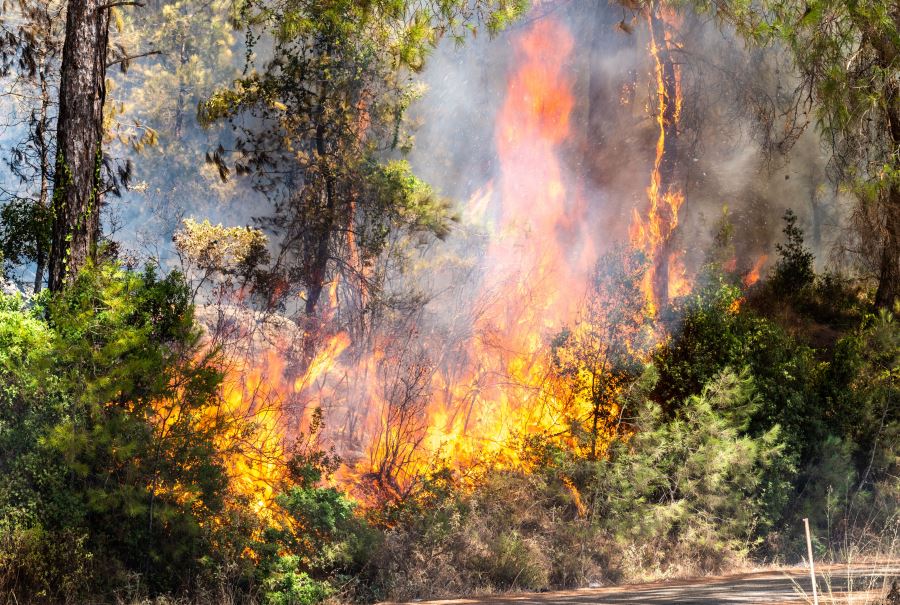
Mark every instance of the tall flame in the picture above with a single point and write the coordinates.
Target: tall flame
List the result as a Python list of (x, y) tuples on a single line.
[(402, 406), (529, 267), (652, 234), (494, 390)]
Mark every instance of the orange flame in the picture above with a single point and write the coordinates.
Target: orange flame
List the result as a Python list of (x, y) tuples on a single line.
[(253, 395), (476, 418), (652, 234), (753, 275), (397, 410), (254, 411), (470, 409)]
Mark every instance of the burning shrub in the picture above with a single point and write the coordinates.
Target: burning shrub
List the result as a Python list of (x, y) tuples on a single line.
[(681, 495), (101, 437), (511, 530), (316, 539), (599, 359)]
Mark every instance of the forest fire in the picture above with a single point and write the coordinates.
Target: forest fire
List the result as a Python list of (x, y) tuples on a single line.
[(753, 275), (254, 410), (402, 410), (653, 233), (475, 405), (255, 398), (256, 347), (316, 303)]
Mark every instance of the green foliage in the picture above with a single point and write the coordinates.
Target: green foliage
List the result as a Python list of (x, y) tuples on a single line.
[(846, 56), (417, 206), (717, 329), (807, 345), (794, 270), (100, 430), (321, 541), (707, 338), (330, 107), (285, 585), (24, 232), (113, 462), (692, 486)]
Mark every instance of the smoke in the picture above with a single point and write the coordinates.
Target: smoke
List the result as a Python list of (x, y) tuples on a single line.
[(152, 114), (545, 138), (545, 187), (736, 145)]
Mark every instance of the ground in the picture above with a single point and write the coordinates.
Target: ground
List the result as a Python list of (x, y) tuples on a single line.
[(858, 584)]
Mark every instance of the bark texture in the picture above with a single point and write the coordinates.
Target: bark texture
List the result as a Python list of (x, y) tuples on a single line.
[(888, 290), (668, 93), (77, 188)]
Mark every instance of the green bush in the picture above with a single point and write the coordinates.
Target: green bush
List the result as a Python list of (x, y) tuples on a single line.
[(101, 436), (514, 562), (689, 491), (286, 585), (37, 565)]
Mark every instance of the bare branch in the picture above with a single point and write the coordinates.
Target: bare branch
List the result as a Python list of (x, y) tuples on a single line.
[(110, 5), (132, 57)]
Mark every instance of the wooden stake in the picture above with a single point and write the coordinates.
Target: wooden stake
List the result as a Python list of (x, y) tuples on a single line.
[(812, 568)]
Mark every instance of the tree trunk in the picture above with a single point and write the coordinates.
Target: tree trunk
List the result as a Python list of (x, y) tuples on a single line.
[(889, 271), (887, 55), (668, 93), (182, 88), (43, 196), (82, 92), (319, 261)]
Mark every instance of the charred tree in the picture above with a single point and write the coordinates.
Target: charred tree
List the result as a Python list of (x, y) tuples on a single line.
[(44, 156), (77, 185), (667, 150)]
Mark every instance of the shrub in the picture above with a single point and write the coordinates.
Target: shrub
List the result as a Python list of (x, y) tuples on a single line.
[(687, 490), (102, 443), (285, 584), (37, 565), (794, 270)]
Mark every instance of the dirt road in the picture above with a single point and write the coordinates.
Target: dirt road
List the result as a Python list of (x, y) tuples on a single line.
[(837, 584)]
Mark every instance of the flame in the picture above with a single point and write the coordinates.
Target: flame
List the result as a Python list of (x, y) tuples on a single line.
[(753, 275), (576, 497), (254, 413), (253, 395), (471, 409), (478, 203), (395, 406), (652, 234), (529, 266), (679, 284)]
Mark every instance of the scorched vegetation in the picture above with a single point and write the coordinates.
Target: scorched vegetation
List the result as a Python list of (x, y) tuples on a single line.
[(626, 310)]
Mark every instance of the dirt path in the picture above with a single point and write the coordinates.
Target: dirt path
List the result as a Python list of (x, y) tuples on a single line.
[(769, 587)]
